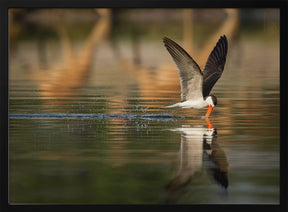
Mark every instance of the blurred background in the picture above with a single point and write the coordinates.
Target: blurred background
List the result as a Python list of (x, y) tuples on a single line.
[(92, 47), (113, 62)]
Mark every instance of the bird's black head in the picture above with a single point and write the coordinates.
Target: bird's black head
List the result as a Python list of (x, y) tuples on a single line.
[(214, 100)]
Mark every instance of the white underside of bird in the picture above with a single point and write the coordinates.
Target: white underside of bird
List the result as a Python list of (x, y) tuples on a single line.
[(195, 104)]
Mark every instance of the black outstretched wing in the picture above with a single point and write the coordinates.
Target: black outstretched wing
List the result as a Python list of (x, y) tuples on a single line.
[(214, 66)]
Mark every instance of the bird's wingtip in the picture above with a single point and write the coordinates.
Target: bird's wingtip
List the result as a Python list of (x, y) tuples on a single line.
[(223, 37), (165, 39)]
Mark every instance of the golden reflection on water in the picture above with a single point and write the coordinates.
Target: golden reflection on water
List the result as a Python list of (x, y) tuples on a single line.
[(60, 80)]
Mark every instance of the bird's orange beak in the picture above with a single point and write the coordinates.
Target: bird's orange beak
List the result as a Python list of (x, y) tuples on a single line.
[(210, 108)]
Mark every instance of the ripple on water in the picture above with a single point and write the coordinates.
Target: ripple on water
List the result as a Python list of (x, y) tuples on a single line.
[(158, 117)]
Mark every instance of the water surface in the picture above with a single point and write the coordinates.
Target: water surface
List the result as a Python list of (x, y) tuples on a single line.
[(94, 130)]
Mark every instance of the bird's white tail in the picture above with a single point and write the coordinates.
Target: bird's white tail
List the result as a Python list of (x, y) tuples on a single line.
[(172, 106)]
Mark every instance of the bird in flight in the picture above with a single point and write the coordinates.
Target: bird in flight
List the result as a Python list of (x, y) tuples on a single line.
[(196, 84)]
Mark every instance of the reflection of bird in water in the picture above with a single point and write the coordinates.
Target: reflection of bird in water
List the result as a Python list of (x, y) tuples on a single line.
[(196, 84), (218, 167), (199, 149)]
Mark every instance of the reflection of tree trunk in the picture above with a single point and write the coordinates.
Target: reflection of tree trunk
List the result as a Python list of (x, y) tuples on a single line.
[(65, 43), (188, 30), (42, 53), (61, 79), (136, 47), (14, 28)]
